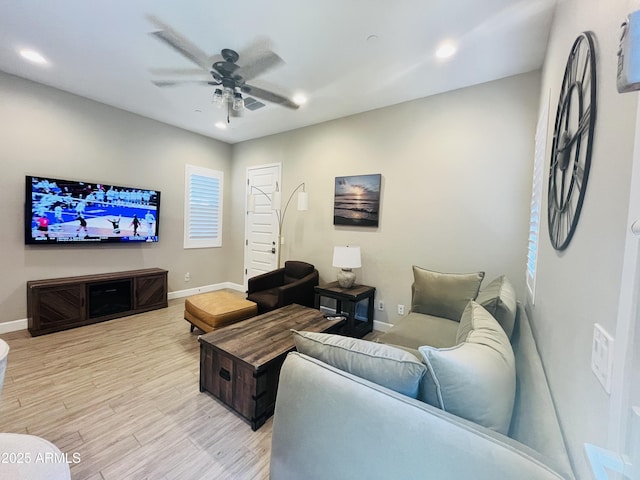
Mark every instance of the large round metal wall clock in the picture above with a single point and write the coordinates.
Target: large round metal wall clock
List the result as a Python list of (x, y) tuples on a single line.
[(572, 142)]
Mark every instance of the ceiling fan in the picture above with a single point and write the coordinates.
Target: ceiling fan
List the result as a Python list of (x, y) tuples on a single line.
[(226, 73)]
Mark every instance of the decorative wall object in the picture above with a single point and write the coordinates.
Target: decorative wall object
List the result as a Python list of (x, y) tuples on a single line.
[(357, 200), (572, 142)]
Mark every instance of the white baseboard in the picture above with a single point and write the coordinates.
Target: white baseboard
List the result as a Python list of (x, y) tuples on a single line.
[(13, 325), (204, 289), (381, 326)]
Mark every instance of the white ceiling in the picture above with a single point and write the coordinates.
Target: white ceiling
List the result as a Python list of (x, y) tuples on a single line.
[(102, 50)]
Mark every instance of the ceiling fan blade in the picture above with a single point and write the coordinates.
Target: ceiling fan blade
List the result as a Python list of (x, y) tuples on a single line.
[(178, 71), (257, 45), (179, 43), (257, 58), (270, 96), (175, 83), (259, 65)]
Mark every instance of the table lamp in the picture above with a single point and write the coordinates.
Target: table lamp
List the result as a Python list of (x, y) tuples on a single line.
[(346, 258)]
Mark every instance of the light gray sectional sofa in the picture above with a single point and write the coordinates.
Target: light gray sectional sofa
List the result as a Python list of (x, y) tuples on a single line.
[(454, 391)]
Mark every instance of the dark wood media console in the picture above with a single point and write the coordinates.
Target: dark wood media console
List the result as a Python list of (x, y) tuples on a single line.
[(62, 303)]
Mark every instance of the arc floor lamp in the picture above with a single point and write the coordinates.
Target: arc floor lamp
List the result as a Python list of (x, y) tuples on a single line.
[(276, 205)]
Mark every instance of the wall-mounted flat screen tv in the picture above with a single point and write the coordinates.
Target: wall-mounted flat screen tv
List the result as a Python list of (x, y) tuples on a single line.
[(71, 212)]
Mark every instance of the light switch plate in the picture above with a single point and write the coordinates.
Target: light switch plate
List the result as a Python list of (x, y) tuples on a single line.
[(602, 356)]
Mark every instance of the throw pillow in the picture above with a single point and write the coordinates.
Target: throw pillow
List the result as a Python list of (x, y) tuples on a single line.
[(390, 367), (499, 299), (476, 379), (443, 294)]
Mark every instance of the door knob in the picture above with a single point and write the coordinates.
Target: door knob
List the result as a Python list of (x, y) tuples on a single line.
[(273, 250)]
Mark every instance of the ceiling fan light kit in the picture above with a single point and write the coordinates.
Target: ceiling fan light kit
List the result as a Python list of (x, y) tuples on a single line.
[(227, 75), (227, 95), (238, 102), (218, 97)]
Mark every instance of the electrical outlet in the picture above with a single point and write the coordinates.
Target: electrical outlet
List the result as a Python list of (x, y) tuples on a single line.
[(400, 309), (380, 305), (602, 356), (187, 277)]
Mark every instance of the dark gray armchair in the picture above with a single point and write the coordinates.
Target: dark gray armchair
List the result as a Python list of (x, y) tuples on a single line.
[(291, 284)]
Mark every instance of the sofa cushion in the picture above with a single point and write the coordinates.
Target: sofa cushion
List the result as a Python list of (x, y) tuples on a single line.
[(295, 270), (475, 379), (417, 329), (499, 299), (413, 351), (443, 294), (390, 367), (267, 299)]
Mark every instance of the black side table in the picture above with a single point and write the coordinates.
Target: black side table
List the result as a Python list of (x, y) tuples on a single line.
[(347, 300)]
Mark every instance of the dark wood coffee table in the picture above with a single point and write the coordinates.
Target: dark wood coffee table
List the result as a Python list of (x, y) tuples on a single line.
[(240, 364)]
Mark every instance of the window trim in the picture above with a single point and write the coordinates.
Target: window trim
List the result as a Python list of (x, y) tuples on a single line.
[(212, 212)]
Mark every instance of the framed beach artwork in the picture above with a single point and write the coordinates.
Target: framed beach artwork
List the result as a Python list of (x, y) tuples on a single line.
[(357, 200)]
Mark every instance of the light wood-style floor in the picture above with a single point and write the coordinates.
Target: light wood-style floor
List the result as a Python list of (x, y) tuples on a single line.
[(124, 395)]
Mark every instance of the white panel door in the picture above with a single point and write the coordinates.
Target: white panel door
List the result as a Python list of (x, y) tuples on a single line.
[(261, 228)]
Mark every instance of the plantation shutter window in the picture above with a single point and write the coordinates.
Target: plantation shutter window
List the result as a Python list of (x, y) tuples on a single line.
[(536, 201), (203, 207)]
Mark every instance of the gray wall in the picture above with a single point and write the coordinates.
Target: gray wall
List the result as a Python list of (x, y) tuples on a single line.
[(456, 188), (456, 185), (49, 132), (581, 286)]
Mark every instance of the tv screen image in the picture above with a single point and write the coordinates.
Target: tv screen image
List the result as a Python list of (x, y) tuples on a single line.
[(69, 211)]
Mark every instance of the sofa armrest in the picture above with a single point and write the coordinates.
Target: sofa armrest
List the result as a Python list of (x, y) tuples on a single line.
[(265, 281), (330, 424), (301, 291), (534, 421)]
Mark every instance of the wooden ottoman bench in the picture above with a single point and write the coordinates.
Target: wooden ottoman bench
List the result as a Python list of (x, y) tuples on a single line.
[(210, 311)]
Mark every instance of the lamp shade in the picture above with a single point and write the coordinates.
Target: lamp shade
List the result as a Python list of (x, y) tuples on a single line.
[(346, 257), (276, 200), (303, 201)]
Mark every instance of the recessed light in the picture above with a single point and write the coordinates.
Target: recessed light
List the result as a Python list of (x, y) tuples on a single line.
[(446, 50), (221, 125), (299, 99), (33, 56)]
